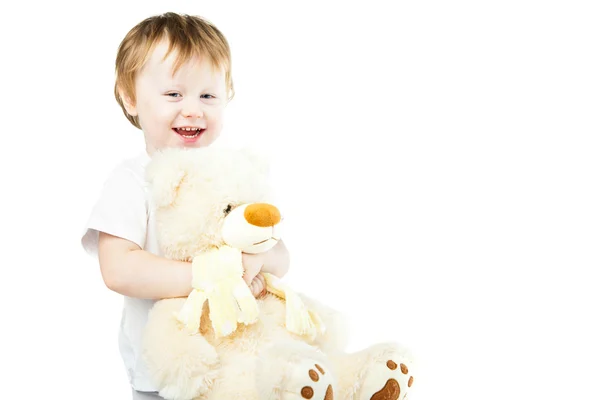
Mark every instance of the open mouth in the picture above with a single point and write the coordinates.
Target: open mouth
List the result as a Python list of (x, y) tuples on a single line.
[(188, 133)]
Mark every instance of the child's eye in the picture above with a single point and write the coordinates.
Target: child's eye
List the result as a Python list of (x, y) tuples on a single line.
[(208, 96), (173, 94)]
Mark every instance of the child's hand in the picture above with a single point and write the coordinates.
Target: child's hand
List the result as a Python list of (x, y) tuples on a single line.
[(252, 264), (275, 261), (258, 287)]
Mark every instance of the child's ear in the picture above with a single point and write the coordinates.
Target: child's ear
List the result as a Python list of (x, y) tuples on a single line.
[(127, 103), (165, 174)]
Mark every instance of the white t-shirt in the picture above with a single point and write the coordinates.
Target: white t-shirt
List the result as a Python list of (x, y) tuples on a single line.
[(123, 210)]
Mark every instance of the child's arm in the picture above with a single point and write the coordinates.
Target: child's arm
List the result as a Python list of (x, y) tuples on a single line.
[(133, 272), (275, 261)]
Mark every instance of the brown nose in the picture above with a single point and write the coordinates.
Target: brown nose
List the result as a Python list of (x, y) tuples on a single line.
[(262, 214)]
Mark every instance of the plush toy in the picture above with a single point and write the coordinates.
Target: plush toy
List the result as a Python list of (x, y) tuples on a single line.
[(221, 343)]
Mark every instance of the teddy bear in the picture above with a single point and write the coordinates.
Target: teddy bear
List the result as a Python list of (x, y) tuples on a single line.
[(194, 193)]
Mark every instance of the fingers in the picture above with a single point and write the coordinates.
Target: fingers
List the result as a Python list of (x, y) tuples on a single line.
[(249, 278), (255, 287), (252, 264), (263, 284), (258, 286)]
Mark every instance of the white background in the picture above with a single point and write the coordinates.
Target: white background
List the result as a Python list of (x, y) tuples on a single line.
[(437, 162)]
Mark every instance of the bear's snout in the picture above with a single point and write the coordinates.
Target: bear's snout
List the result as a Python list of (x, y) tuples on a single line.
[(262, 214)]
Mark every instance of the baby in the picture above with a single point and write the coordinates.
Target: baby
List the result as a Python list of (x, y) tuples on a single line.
[(173, 81)]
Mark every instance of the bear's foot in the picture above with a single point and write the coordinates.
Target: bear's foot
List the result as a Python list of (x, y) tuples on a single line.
[(293, 370), (389, 379), (308, 381)]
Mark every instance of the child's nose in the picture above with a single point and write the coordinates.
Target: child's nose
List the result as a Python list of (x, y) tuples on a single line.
[(262, 214), (191, 112)]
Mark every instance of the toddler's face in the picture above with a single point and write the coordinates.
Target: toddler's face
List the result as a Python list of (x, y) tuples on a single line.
[(181, 110)]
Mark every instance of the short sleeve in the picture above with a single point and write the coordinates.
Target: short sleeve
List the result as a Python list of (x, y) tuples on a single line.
[(121, 210)]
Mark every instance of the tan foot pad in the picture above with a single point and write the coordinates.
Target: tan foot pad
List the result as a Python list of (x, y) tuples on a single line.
[(387, 381), (310, 381)]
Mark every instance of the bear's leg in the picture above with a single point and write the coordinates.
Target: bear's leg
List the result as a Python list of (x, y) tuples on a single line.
[(293, 370), (181, 365), (380, 372)]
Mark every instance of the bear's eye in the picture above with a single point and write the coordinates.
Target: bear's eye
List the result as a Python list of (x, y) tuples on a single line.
[(228, 209)]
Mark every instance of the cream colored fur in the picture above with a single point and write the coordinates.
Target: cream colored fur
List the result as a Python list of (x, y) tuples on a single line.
[(191, 189)]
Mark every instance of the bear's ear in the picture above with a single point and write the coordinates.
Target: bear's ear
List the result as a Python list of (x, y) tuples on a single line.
[(165, 173), (258, 158)]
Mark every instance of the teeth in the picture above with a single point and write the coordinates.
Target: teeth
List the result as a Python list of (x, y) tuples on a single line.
[(195, 131), (189, 132)]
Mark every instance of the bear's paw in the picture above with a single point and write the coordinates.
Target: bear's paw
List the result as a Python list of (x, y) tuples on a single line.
[(309, 381)]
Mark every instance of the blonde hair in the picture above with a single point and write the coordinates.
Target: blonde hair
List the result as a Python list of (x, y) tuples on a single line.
[(190, 36)]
